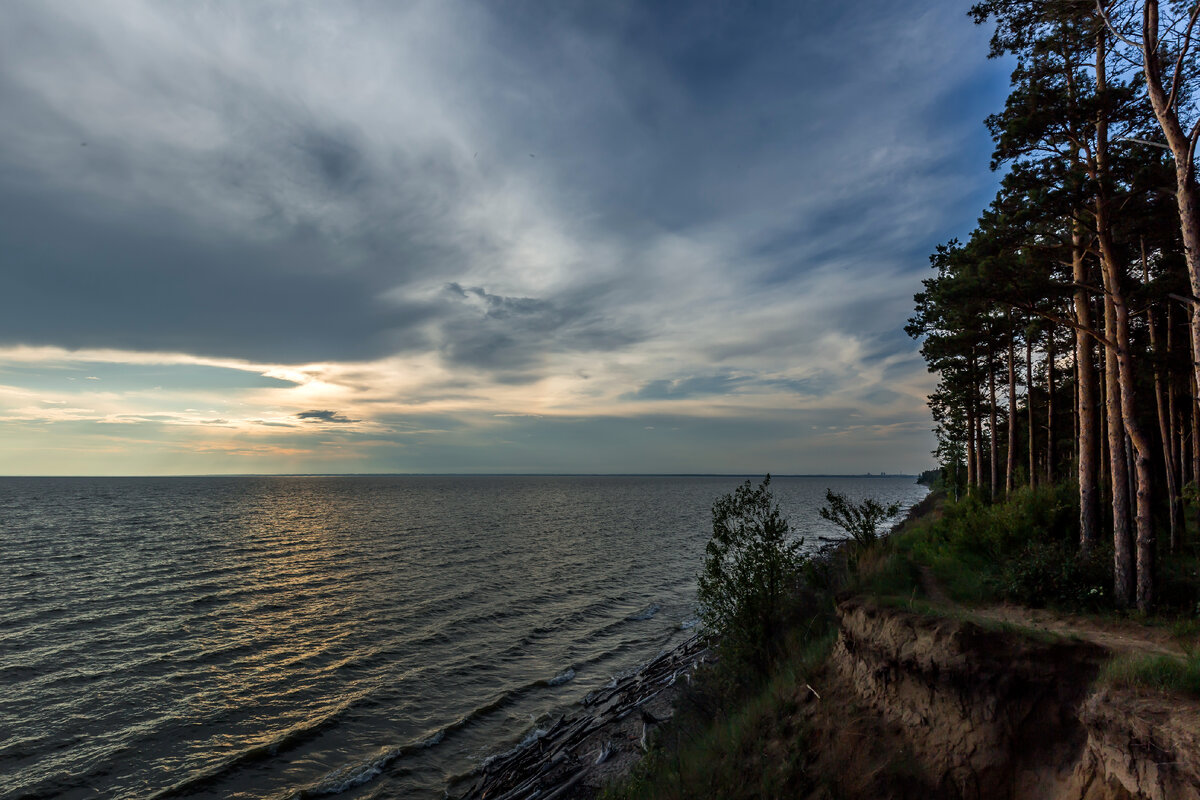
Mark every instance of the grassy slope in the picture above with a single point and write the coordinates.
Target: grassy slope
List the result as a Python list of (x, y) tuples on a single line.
[(736, 741)]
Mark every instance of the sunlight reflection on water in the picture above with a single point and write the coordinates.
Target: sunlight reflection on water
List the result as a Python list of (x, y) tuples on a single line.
[(252, 637)]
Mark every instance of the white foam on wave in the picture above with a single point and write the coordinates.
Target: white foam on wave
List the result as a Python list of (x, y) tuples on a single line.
[(646, 613), (687, 624), (529, 738), (562, 677), (351, 775)]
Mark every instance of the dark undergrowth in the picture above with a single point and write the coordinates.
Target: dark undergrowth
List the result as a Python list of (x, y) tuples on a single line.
[(737, 736), (748, 746), (1024, 550)]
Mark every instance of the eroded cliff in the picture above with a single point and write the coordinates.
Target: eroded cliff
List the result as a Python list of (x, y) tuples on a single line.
[(930, 705)]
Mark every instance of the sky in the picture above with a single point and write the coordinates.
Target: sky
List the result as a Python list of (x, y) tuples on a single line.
[(581, 237)]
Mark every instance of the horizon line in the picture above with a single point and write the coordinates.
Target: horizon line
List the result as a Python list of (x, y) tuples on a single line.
[(490, 475)]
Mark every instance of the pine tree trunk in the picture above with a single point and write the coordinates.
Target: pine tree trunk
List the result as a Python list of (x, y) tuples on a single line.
[(1050, 409), (1177, 445), (1195, 403), (1029, 409), (1143, 567), (1105, 450), (992, 445), (1085, 405), (1011, 461), (1124, 565), (1187, 193), (1181, 430), (979, 436), (970, 449), (1164, 429), (1164, 417)]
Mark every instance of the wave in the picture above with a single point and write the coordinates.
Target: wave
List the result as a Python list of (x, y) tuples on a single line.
[(646, 613), (528, 739), (287, 740), (561, 678), (360, 772)]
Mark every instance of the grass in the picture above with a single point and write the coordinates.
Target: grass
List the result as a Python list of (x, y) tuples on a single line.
[(754, 750), (735, 740), (926, 608), (1161, 673), (1022, 550)]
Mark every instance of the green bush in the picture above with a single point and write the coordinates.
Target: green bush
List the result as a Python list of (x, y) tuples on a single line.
[(752, 748), (1023, 549), (860, 520), (751, 571), (1160, 672), (1054, 574)]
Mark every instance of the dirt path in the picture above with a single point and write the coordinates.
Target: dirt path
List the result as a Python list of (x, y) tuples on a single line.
[(1119, 636)]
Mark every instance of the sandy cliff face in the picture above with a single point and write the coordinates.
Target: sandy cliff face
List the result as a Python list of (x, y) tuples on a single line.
[(983, 714), (1149, 746)]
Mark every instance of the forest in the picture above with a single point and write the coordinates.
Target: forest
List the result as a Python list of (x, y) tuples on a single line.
[(1064, 331)]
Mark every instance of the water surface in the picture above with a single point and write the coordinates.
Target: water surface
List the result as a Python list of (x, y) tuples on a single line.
[(349, 636)]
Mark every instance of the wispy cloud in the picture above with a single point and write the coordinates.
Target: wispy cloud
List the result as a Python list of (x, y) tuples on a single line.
[(365, 220)]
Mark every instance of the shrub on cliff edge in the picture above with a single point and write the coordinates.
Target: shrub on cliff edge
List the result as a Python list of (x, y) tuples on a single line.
[(750, 571), (861, 520)]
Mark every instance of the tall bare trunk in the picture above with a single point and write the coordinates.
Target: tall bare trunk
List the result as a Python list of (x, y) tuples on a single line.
[(1124, 566), (1172, 409), (1012, 412), (1194, 402), (1118, 335), (970, 448), (1164, 418), (995, 487), (1105, 450), (1178, 428), (1050, 409), (1029, 409), (1085, 406), (979, 438), (1164, 429), (1187, 193)]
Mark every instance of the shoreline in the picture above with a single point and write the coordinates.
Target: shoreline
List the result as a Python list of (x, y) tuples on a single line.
[(586, 749), (582, 751)]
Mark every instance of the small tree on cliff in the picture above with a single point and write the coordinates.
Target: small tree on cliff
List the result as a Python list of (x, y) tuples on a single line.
[(750, 568), (860, 521)]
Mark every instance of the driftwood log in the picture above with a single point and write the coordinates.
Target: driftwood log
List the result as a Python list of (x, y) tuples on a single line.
[(580, 752)]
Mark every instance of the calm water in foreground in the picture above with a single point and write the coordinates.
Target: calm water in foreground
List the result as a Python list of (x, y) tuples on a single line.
[(308, 637)]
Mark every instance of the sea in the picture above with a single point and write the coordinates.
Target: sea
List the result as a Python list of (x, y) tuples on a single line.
[(350, 637)]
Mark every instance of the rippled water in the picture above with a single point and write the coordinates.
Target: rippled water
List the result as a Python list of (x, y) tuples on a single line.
[(359, 637)]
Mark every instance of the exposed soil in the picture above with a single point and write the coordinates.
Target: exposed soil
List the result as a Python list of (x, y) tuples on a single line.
[(946, 703), (1118, 636), (919, 705)]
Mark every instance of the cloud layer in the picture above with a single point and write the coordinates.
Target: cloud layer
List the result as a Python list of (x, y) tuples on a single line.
[(445, 236)]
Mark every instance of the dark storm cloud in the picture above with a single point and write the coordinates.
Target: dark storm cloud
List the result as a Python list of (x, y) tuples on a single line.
[(324, 416), (673, 200), (685, 387), (336, 159), (509, 335), (250, 190), (816, 385), (77, 277)]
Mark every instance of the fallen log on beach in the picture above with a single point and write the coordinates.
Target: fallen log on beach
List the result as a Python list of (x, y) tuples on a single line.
[(579, 753)]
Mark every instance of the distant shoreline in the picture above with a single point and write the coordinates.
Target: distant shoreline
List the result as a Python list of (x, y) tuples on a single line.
[(484, 475)]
